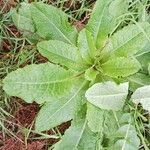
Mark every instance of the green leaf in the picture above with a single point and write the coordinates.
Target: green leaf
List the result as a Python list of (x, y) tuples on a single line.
[(52, 23), (99, 23), (89, 140), (22, 18), (149, 69), (144, 61), (86, 46), (128, 41), (128, 139), (142, 95), (144, 50), (120, 67), (90, 74), (72, 136), (38, 83), (56, 112), (118, 8), (105, 122), (108, 125), (78, 136), (104, 18), (59, 52), (23, 21), (107, 95), (123, 136), (138, 80), (95, 117)]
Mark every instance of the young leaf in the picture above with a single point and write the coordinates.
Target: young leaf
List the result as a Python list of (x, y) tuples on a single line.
[(142, 95), (86, 46), (38, 82), (90, 74), (107, 95), (52, 23), (103, 19), (99, 23), (56, 112), (78, 136), (59, 52), (127, 139), (128, 41), (120, 67)]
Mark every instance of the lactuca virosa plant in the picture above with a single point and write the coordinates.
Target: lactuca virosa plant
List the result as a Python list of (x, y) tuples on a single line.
[(88, 75)]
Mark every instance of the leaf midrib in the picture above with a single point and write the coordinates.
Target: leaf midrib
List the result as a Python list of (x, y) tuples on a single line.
[(48, 82), (82, 131), (100, 22), (125, 138), (124, 67), (63, 106), (108, 95), (70, 60)]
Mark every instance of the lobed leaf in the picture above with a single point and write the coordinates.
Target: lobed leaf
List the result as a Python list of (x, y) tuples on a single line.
[(39, 83)]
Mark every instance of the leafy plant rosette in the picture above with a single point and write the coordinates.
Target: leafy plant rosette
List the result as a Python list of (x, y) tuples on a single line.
[(88, 76)]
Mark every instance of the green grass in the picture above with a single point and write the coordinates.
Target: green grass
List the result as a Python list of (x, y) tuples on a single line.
[(21, 53)]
